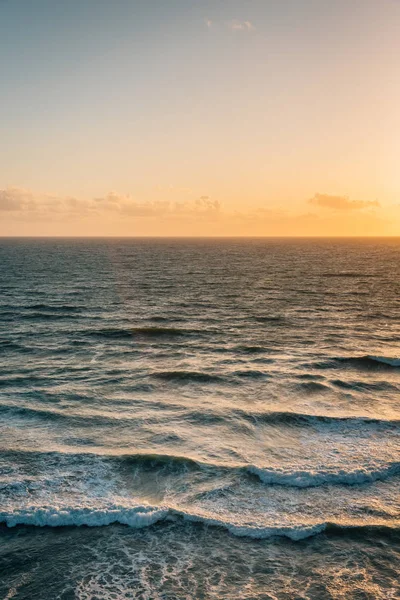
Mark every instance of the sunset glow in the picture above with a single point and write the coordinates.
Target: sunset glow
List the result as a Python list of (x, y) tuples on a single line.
[(187, 118)]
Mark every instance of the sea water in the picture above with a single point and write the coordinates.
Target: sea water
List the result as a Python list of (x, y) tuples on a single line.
[(199, 419)]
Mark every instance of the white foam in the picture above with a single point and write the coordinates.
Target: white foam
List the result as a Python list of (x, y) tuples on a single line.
[(304, 479), (141, 516), (51, 516), (293, 532)]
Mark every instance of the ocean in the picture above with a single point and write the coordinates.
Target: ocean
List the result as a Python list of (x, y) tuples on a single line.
[(199, 418)]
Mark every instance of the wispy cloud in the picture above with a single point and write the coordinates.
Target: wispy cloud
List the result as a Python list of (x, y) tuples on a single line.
[(236, 25), (341, 202)]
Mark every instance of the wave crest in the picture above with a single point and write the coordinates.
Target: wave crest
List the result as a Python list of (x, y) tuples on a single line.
[(289, 477), (142, 332), (371, 362), (307, 479), (142, 516), (187, 376)]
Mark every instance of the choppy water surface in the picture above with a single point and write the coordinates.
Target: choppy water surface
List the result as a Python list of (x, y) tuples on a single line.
[(223, 415)]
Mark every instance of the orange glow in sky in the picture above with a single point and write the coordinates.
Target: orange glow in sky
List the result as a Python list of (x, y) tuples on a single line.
[(200, 118)]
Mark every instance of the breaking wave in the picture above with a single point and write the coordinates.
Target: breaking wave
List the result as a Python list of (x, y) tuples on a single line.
[(141, 516), (307, 479), (287, 477)]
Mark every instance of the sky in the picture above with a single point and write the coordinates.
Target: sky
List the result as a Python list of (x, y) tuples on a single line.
[(197, 117)]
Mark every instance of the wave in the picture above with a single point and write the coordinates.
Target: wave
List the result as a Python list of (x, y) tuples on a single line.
[(296, 418), (350, 274), (371, 362), (39, 312), (313, 387), (293, 478), (141, 516), (391, 362), (56, 415), (187, 376), (43, 316), (162, 319), (198, 417), (250, 374), (202, 377), (369, 386), (252, 350), (366, 362), (53, 307), (273, 320), (48, 516), (7, 346), (307, 479), (143, 332)]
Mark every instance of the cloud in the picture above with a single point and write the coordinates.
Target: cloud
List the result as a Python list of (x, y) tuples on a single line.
[(205, 203), (28, 205), (126, 205), (341, 202), (28, 213), (14, 199), (236, 25)]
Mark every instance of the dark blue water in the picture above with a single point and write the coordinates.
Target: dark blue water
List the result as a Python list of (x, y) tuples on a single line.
[(199, 419)]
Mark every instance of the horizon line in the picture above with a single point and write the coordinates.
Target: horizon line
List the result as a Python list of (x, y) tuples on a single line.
[(194, 237)]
